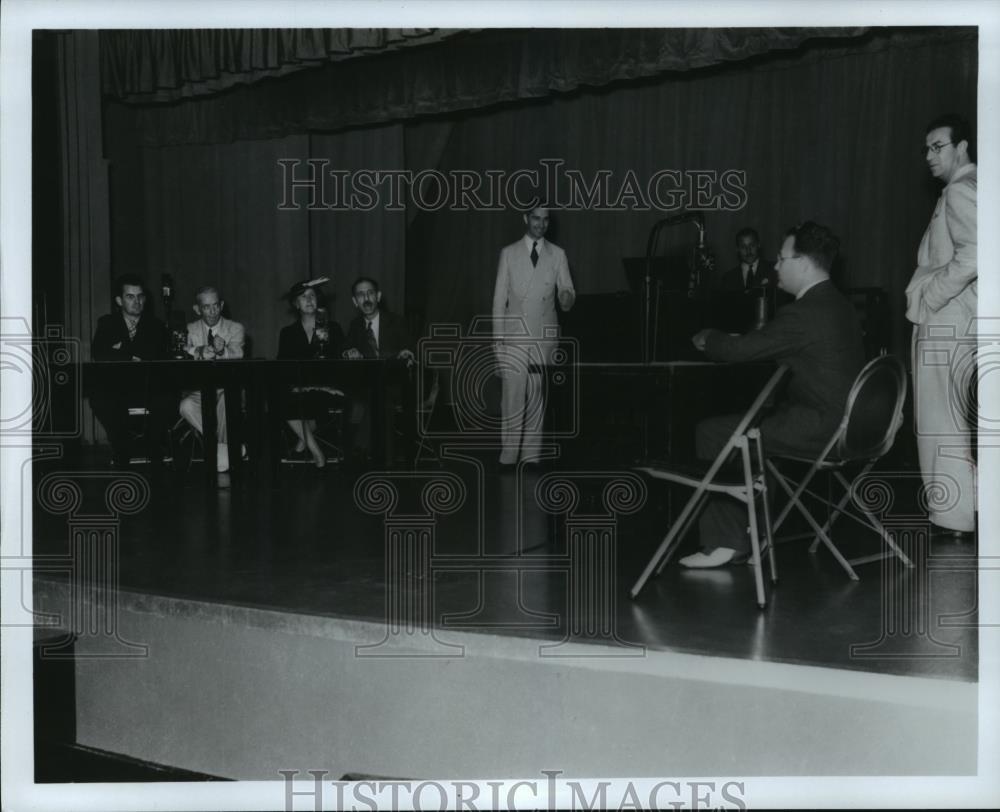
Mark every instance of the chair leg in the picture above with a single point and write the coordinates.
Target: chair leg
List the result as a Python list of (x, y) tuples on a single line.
[(768, 528), (793, 496), (682, 530), (664, 551), (878, 528), (757, 568), (833, 514)]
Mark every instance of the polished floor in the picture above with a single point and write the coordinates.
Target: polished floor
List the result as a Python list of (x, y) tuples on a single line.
[(496, 559)]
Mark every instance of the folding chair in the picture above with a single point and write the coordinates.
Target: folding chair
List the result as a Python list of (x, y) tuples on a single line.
[(746, 488), (872, 417)]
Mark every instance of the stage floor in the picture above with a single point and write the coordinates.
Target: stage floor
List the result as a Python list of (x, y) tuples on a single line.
[(498, 564)]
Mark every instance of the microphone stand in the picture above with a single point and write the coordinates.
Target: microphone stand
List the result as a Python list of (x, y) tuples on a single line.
[(650, 337)]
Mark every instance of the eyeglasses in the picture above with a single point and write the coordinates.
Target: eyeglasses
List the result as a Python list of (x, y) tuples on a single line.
[(779, 259), (935, 147)]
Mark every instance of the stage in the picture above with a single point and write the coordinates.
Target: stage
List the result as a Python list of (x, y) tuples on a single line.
[(460, 620)]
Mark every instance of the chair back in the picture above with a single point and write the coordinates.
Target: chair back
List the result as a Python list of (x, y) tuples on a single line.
[(874, 410)]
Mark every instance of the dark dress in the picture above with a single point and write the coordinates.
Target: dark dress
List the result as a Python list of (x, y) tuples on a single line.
[(310, 402)]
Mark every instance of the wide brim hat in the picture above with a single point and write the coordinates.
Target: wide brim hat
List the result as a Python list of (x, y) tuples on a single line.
[(299, 288)]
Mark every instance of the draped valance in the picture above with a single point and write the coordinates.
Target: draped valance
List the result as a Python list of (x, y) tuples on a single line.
[(158, 65), (471, 69)]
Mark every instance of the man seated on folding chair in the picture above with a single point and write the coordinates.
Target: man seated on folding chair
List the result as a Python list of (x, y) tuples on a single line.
[(818, 337), (211, 337), (131, 334)]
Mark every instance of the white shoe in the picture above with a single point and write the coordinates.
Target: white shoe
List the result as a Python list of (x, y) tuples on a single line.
[(719, 557), (222, 458)]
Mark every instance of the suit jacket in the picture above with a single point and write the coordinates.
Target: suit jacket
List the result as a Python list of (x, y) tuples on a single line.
[(945, 278), (393, 338), (732, 280), (524, 297), (294, 344), (230, 331), (819, 338), (150, 342)]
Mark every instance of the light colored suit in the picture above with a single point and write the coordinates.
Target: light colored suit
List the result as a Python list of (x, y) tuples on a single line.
[(941, 302), (197, 337), (525, 322)]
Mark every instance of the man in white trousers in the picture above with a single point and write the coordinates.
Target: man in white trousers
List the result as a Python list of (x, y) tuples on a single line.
[(941, 302), (531, 275)]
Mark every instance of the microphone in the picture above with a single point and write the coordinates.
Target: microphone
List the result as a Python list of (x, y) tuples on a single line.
[(167, 286)]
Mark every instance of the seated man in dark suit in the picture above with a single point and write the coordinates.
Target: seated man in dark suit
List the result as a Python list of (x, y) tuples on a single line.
[(819, 338), (374, 333), (130, 335)]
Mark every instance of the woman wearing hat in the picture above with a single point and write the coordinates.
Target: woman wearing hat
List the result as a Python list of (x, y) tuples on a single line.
[(305, 338)]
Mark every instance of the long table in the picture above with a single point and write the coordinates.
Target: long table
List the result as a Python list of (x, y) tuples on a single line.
[(615, 412), (266, 384)]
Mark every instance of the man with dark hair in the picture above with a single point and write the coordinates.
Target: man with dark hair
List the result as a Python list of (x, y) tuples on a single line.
[(373, 333), (129, 335), (941, 302), (819, 338), (532, 275), (750, 272)]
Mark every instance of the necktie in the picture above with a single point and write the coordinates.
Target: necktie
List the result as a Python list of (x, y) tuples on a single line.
[(372, 342), (534, 254), (211, 338), (133, 328)]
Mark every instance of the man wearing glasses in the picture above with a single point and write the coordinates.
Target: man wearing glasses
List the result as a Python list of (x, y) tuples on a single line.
[(941, 303), (819, 338)]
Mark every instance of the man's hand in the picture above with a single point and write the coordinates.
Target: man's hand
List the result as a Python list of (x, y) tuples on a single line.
[(116, 346), (219, 345), (407, 355), (566, 299), (699, 339), (352, 354)]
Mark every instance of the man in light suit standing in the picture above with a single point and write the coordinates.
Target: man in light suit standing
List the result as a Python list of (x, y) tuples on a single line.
[(941, 302), (531, 275), (211, 337)]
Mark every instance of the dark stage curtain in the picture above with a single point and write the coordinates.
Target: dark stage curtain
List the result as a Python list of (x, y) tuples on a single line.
[(836, 139), (466, 72), (143, 66), (832, 134)]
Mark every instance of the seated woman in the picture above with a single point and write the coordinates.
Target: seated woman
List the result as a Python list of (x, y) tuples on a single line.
[(304, 339)]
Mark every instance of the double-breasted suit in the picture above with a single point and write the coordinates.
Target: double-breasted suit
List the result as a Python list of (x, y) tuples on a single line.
[(526, 328), (941, 302)]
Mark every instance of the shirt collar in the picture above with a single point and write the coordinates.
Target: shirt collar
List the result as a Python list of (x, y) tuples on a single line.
[(131, 320), (374, 322), (961, 172), (529, 241)]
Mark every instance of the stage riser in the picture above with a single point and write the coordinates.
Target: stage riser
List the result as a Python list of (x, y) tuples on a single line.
[(242, 693)]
